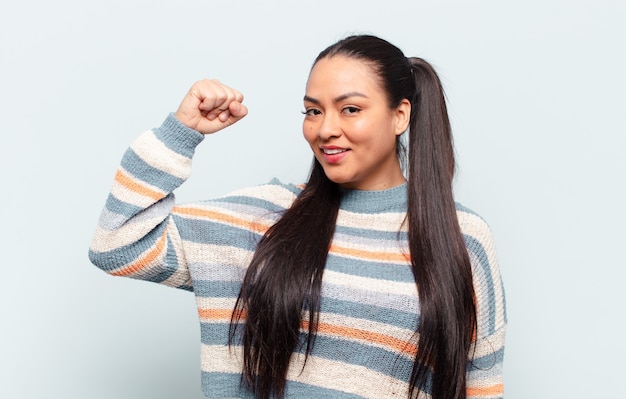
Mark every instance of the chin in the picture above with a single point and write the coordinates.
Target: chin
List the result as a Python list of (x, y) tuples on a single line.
[(335, 175), (344, 183)]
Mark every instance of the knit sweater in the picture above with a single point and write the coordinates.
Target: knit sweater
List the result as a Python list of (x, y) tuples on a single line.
[(365, 342)]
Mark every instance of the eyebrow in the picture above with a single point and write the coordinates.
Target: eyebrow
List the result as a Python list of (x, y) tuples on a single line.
[(338, 98)]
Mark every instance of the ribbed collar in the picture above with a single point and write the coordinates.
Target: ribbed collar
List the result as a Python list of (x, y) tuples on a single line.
[(375, 201)]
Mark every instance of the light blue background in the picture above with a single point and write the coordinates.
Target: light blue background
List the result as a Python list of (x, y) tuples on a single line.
[(536, 94)]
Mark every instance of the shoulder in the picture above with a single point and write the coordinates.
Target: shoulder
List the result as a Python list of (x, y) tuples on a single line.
[(474, 228), (267, 200), (254, 209), (478, 236), (273, 192)]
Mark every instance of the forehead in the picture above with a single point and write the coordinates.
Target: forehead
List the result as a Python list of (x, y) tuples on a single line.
[(338, 74)]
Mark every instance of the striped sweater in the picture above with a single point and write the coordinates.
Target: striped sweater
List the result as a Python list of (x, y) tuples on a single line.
[(365, 340)]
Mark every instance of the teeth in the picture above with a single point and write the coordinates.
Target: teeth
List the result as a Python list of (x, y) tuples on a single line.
[(332, 152)]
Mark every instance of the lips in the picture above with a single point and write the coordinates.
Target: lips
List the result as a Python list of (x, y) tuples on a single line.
[(333, 155), (333, 151)]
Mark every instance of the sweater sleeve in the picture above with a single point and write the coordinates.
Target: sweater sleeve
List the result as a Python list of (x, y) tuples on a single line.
[(484, 367), (136, 235)]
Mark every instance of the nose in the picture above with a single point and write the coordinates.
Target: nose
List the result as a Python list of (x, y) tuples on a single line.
[(330, 127)]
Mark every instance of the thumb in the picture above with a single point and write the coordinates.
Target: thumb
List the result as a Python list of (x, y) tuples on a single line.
[(237, 109), (235, 112)]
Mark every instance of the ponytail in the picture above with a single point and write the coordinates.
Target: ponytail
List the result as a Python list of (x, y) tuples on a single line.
[(440, 262)]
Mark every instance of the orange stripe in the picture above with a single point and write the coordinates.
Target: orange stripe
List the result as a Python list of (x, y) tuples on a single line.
[(203, 213), (133, 185), (353, 333), (218, 314), (145, 260), (363, 254), (369, 336), (493, 390)]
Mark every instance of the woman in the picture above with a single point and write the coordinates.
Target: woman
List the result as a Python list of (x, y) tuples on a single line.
[(360, 283)]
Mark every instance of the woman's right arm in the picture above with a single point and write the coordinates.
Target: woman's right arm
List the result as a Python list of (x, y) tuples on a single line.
[(136, 234)]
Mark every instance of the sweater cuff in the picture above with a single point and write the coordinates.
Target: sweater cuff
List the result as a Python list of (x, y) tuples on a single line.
[(178, 137)]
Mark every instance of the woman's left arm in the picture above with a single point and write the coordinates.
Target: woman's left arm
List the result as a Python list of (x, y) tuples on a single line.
[(485, 360)]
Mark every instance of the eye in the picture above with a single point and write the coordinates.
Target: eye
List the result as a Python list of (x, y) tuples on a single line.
[(351, 110), (311, 112)]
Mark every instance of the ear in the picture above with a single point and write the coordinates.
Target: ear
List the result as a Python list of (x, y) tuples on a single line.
[(402, 116)]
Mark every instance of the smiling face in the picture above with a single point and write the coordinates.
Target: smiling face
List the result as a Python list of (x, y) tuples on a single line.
[(350, 127)]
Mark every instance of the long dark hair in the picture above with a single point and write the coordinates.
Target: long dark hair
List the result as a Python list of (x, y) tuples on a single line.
[(285, 275)]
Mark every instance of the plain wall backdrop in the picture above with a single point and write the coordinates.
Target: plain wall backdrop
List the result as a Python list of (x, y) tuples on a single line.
[(536, 93)]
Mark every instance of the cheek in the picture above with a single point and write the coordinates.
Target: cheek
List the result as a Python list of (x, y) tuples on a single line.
[(364, 133)]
